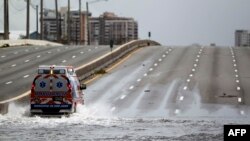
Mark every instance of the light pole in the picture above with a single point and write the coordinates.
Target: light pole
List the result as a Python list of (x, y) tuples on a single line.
[(6, 19), (28, 20), (87, 9), (41, 18), (37, 22)]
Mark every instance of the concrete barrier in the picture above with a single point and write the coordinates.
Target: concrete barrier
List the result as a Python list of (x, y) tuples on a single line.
[(4, 108), (25, 42), (90, 68)]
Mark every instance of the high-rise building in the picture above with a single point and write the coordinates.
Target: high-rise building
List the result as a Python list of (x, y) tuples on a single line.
[(242, 38), (111, 27), (78, 33), (49, 25)]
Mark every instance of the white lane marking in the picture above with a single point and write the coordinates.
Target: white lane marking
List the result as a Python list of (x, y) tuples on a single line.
[(235, 65), (198, 56), (237, 81), (181, 98), (7, 83), (185, 88), (49, 52), (66, 47), (242, 112), (58, 50), (25, 76), (123, 96), (13, 65), (193, 70), (138, 80), (163, 55), (234, 60), (188, 80), (195, 65), (26, 50), (3, 56), (233, 56), (236, 70), (36, 48), (96, 47), (160, 60), (197, 60), (239, 99), (89, 50), (191, 75), (145, 74), (238, 88), (64, 61), (15, 52), (151, 69), (131, 87), (177, 111), (166, 52), (38, 56), (26, 61), (73, 56), (155, 64), (170, 49), (81, 52), (112, 109)]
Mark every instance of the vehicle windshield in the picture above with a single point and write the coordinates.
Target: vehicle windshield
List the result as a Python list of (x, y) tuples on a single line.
[(53, 71)]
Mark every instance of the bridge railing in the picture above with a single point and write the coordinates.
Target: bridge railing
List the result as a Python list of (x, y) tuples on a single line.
[(90, 68)]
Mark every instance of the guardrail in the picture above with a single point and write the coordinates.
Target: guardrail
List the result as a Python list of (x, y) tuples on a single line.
[(90, 68)]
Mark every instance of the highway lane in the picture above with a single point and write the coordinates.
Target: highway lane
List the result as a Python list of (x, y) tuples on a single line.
[(242, 58), (216, 76), (158, 82), (18, 70)]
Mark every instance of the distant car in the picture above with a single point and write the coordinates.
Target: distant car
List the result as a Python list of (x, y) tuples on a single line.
[(56, 90)]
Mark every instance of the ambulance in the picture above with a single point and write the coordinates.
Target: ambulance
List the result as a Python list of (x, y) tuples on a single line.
[(55, 90)]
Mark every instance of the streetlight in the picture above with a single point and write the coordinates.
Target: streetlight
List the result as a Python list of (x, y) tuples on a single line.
[(87, 8)]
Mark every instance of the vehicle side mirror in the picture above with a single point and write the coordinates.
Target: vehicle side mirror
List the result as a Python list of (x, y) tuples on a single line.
[(83, 86)]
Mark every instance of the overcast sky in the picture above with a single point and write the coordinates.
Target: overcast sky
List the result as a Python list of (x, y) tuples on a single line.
[(172, 22)]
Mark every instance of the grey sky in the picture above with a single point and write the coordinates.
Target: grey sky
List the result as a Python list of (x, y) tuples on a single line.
[(172, 22)]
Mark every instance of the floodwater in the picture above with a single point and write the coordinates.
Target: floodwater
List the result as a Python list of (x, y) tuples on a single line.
[(99, 123)]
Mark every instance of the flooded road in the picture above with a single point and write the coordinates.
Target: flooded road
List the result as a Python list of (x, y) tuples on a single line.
[(90, 123)]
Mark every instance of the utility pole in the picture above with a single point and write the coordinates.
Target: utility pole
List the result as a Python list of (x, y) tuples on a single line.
[(76, 31), (28, 20), (88, 30), (80, 23), (37, 21), (57, 22), (6, 19), (69, 33), (41, 18)]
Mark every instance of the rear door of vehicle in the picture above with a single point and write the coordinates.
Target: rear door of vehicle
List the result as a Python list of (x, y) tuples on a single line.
[(52, 90)]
